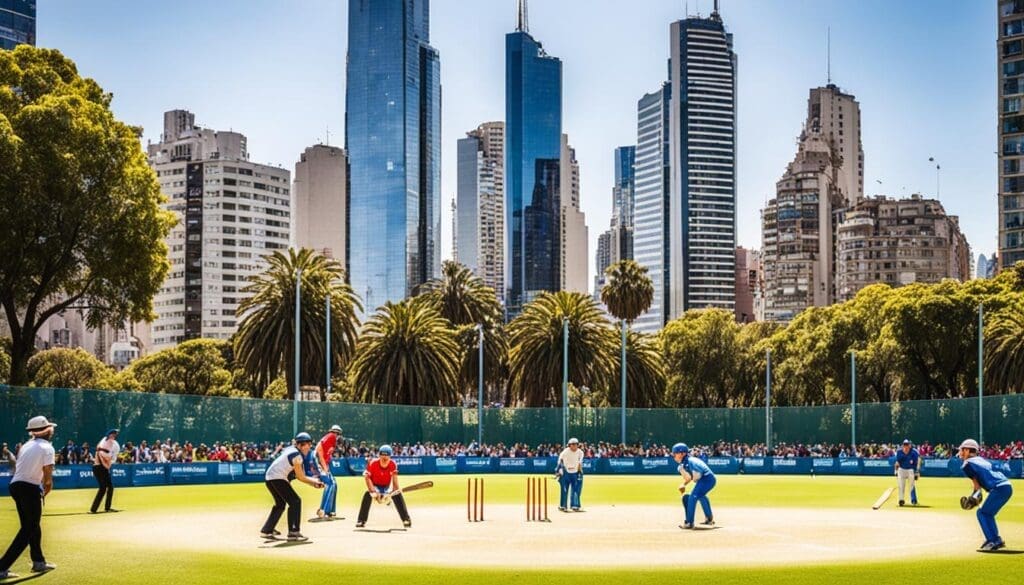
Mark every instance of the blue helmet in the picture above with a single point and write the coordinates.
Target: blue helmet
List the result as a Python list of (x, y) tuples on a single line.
[(680, 448), (303, 438), (385, 450)]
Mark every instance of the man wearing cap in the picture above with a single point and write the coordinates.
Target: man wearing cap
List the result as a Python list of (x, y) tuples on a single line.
[(324, 452), (381, 477), (31, 482), (908, 470), (287, 466), (693, 469), (984, 477), (106, 454), (569, 470)]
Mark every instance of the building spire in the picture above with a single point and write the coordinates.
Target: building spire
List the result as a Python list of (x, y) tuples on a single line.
[(522, 22), (828, 55)]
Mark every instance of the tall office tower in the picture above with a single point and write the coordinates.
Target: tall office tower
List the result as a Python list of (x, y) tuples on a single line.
[(982, 268), (602, 260), (480, 216), (393, 140), (1010, 56), (898, 242), (319, 194), (17, 23), (651, 237), (533, 133), (232, 213), (623, 204), (702, 146), (575, 242)]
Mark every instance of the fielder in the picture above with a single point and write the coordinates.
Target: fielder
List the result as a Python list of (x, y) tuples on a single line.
[(695, 470), (908, 470), (106, 454), (32, 481), (984, 477), (382, 487), (289, 465), (324, 450), (569, 471)]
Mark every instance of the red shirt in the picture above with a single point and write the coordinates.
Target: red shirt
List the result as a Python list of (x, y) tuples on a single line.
[(326, 446), (380, 475)]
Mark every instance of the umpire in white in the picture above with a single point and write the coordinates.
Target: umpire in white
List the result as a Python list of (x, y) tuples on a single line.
[(32, 480)]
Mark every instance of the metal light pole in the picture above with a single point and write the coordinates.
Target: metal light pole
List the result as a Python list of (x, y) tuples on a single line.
[(480, 384), (565, 380), (298, 326), (623, 382), (981, 371), (328, 342), (853, 399), (768, 405)]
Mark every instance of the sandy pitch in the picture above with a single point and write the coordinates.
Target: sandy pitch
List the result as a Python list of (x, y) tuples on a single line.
[(600, 536)]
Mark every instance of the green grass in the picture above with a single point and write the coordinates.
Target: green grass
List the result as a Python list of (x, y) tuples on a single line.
[(68, 542)]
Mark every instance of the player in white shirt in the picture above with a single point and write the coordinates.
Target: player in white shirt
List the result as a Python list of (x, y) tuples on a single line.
[(569, 470), (32, 481), (106, 454)]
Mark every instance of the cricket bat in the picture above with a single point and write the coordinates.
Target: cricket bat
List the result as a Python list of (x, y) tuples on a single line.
[(883, 498), (417, 486)]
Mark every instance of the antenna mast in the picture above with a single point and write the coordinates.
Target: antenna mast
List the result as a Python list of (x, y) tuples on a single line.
[(828, 55), (522, 21)]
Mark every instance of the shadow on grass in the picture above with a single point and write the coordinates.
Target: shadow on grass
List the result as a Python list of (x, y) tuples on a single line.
[(380, 531), (21, 579), (68, 514), (285, 543), (318, 520), (1005, 551)]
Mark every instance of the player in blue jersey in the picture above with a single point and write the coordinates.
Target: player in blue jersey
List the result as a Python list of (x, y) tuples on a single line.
[(908, 470), (980, 471), (697, 471)]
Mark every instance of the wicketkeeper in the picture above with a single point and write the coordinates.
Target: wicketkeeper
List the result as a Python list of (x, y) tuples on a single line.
[(324, 451), (984, 477), (382, 487), (694, 470)]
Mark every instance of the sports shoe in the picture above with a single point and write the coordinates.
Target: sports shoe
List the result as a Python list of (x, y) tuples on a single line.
[(407, 523), (269, 535), (112, 510), (320, 513), (561, 509), (296, 537), (998, 544), (901, 503), (43, 567), (708, 522), (576, 510), (8, 575), (686, 526), (360, 524)]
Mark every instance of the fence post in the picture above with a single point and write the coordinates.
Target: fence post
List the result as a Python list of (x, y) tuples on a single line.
[(623, 381), (853, 400), (565, 380), (768, 406), (981, 372), (298, 325), (480, 384), (328, 342)]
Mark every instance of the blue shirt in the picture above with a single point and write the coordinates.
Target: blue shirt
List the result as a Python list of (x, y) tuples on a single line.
[(981, 469), (693, 465), (907, 460)]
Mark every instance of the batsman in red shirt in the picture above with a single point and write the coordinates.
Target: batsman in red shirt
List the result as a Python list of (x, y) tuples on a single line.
[(382, 486), (324, 452)]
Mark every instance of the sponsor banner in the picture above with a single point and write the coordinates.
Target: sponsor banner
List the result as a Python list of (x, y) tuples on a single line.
[(446, 465), (149, 474), (877, 467), (255, 470), (409, 465), (723, 465), (657, 465), (67, 477), (5, 480), (755, 465), (849, 466), (338, 467), (121, 475), (476, 465), (627, 465), (191, 472), (590, 465), (824, 465), (791, 465), (1017, 468), (357, 465), (543, 464), (514, 465), (230, 472), (936, 468)]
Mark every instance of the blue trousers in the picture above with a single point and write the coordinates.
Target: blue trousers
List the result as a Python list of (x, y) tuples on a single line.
[(329, 500), (567, 481), (699, 494), (996, 499)]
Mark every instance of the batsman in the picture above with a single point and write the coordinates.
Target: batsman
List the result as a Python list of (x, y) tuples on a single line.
[(324, 451), (694, 470), (382, 487)]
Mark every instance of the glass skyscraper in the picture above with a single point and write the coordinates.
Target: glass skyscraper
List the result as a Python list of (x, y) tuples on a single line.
[(624, 201), (393, 138), (17, 23), (533, 120), (651, 212)]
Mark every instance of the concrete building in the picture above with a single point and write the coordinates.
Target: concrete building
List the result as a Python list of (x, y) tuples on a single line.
[(602, 260), (898, 242), (1010, 85), (320, 193), (835, 117), (231, 211), (748, 284), (575, 240), (623, 204), (480, 207), (17, 23)]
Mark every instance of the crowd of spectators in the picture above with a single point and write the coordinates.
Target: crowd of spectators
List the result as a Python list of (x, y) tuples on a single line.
[(170, 451)]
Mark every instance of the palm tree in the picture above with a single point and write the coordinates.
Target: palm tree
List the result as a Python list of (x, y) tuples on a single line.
[(629, 291), (265, 343), (1004, 349), (644, 372), (407, 355), (535, 360)]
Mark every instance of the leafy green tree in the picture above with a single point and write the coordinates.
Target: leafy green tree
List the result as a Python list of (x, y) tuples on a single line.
[(645, 376), (701, 352), (196, 366), (80, 216), (1004, 349), (407, 354), (5, 359), (66, 368), (535, 360), (265, 343)]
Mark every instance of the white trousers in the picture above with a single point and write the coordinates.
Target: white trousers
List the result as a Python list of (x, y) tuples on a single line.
[(905, 476)]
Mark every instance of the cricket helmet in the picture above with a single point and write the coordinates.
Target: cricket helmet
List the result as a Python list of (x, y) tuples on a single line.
[(680, 448)]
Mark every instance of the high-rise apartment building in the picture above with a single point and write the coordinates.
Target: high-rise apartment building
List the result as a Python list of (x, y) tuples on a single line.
[(480, 207), (393, 140), (748, 284), (651, 237), (898, 242), (17, 23), (575, 242), (319, 190), (1010, 56), (232, 212), (533, 144)]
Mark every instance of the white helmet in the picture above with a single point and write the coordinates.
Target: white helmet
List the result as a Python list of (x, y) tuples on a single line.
[(574, 441), (38, 423), (335, 429), (970, 444)]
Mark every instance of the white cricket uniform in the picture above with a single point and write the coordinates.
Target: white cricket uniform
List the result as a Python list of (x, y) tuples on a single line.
[(283, 466), (571, 461), (112, 447), (32, 457)]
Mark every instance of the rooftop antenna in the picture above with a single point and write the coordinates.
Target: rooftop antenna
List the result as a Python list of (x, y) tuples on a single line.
[(828, 54), (522, 22), (715, 12), (328, 136)]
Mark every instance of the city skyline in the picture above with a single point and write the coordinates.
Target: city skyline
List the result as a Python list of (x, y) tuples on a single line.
[(304, 97)]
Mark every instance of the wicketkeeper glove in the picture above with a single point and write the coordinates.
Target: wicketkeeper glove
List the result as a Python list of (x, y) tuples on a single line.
[(971, 501)]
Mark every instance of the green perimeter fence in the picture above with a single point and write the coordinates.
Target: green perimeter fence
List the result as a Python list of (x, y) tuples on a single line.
[(84, 415)]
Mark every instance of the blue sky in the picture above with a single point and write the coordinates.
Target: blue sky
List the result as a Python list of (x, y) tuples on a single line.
[(924, 72)]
